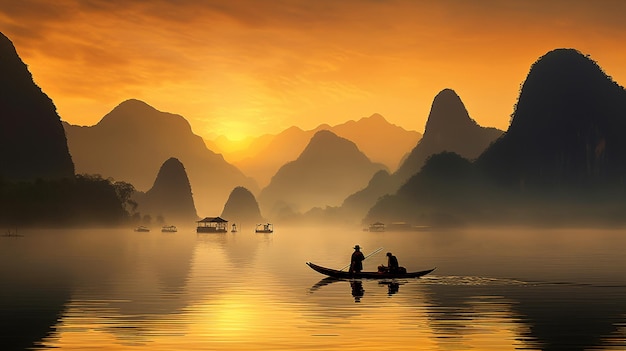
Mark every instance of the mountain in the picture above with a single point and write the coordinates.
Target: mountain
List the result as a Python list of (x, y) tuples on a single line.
[(242, 208), (567, 129), (448, 128), (283, 148), (380, 140), (561, 162), (329, 169), (170, 196), (131, 142), (32, 140), (356, 205), (443, 193)]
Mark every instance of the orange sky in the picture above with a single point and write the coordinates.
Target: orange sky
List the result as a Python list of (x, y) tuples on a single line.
[(248, 67)]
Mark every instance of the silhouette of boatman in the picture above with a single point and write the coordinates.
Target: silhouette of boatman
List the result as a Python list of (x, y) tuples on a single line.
[(356, 261)]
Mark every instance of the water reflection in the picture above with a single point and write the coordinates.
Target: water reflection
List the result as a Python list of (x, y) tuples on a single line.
[(392, 286), (356, 286), (238, 248), (236, 292), (324, 282), (357, 290)]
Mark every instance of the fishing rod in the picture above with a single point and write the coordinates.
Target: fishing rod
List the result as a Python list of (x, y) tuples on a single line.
[(373, 253)]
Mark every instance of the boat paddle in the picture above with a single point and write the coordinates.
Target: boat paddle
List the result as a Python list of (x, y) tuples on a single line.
[(373, 253)]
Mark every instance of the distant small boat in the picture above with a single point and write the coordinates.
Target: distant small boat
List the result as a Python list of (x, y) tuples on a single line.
[(169, 229), (264, 228), (377, 227), (142, 228), (234, 230)]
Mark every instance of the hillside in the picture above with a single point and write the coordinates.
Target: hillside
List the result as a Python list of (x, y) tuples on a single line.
[(132, 141), (242, 209), (379, 140), (329, 169), (32, 140), (567, 129), (171, 195), (449, 128), (561, 162)]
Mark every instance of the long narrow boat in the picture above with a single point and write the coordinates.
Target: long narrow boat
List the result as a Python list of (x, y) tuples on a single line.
[(369, 275)]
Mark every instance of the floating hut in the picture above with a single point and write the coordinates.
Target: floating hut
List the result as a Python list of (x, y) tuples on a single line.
[(212, 225)]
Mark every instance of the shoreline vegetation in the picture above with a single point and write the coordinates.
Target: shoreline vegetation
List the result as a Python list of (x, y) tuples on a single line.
[(84, 201)]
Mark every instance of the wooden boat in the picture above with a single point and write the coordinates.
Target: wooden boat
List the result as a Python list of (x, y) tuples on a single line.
[(264, 228), (142, 228), (169, 229), (368, 275)]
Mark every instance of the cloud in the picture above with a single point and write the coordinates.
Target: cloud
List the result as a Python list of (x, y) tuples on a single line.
[(212, 60)]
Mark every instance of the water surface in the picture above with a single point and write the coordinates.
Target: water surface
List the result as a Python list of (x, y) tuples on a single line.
[(502, 289)]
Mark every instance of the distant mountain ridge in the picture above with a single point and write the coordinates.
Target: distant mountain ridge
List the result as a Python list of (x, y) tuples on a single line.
[(380, 140), (328, 169), (32, 141), (132, 141)]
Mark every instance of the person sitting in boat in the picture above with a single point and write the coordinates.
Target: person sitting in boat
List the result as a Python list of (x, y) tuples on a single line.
[(356, 261), (392, 265)]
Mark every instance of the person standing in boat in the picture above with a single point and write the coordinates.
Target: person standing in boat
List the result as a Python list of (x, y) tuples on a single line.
[(356, 261)]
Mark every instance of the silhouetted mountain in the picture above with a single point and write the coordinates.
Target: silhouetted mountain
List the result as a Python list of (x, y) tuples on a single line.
[(378, 139), (32, 141), (562, 161), (242, 208), (131, 142), (567, 129), (329, 169), (170, 196), (446, 185), (448, 128)]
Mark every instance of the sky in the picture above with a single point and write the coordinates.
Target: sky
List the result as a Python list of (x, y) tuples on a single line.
[(248, 67)]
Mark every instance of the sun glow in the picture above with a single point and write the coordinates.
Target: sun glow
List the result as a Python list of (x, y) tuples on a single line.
[(284, 65)]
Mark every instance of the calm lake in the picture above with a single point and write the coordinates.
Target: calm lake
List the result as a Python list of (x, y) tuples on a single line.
[(504, 289)]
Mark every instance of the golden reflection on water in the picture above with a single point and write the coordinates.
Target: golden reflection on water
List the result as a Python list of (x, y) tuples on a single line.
[(257, 322), (252, 309)]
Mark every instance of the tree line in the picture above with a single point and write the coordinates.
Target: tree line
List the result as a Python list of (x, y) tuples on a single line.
[(84, 200)]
